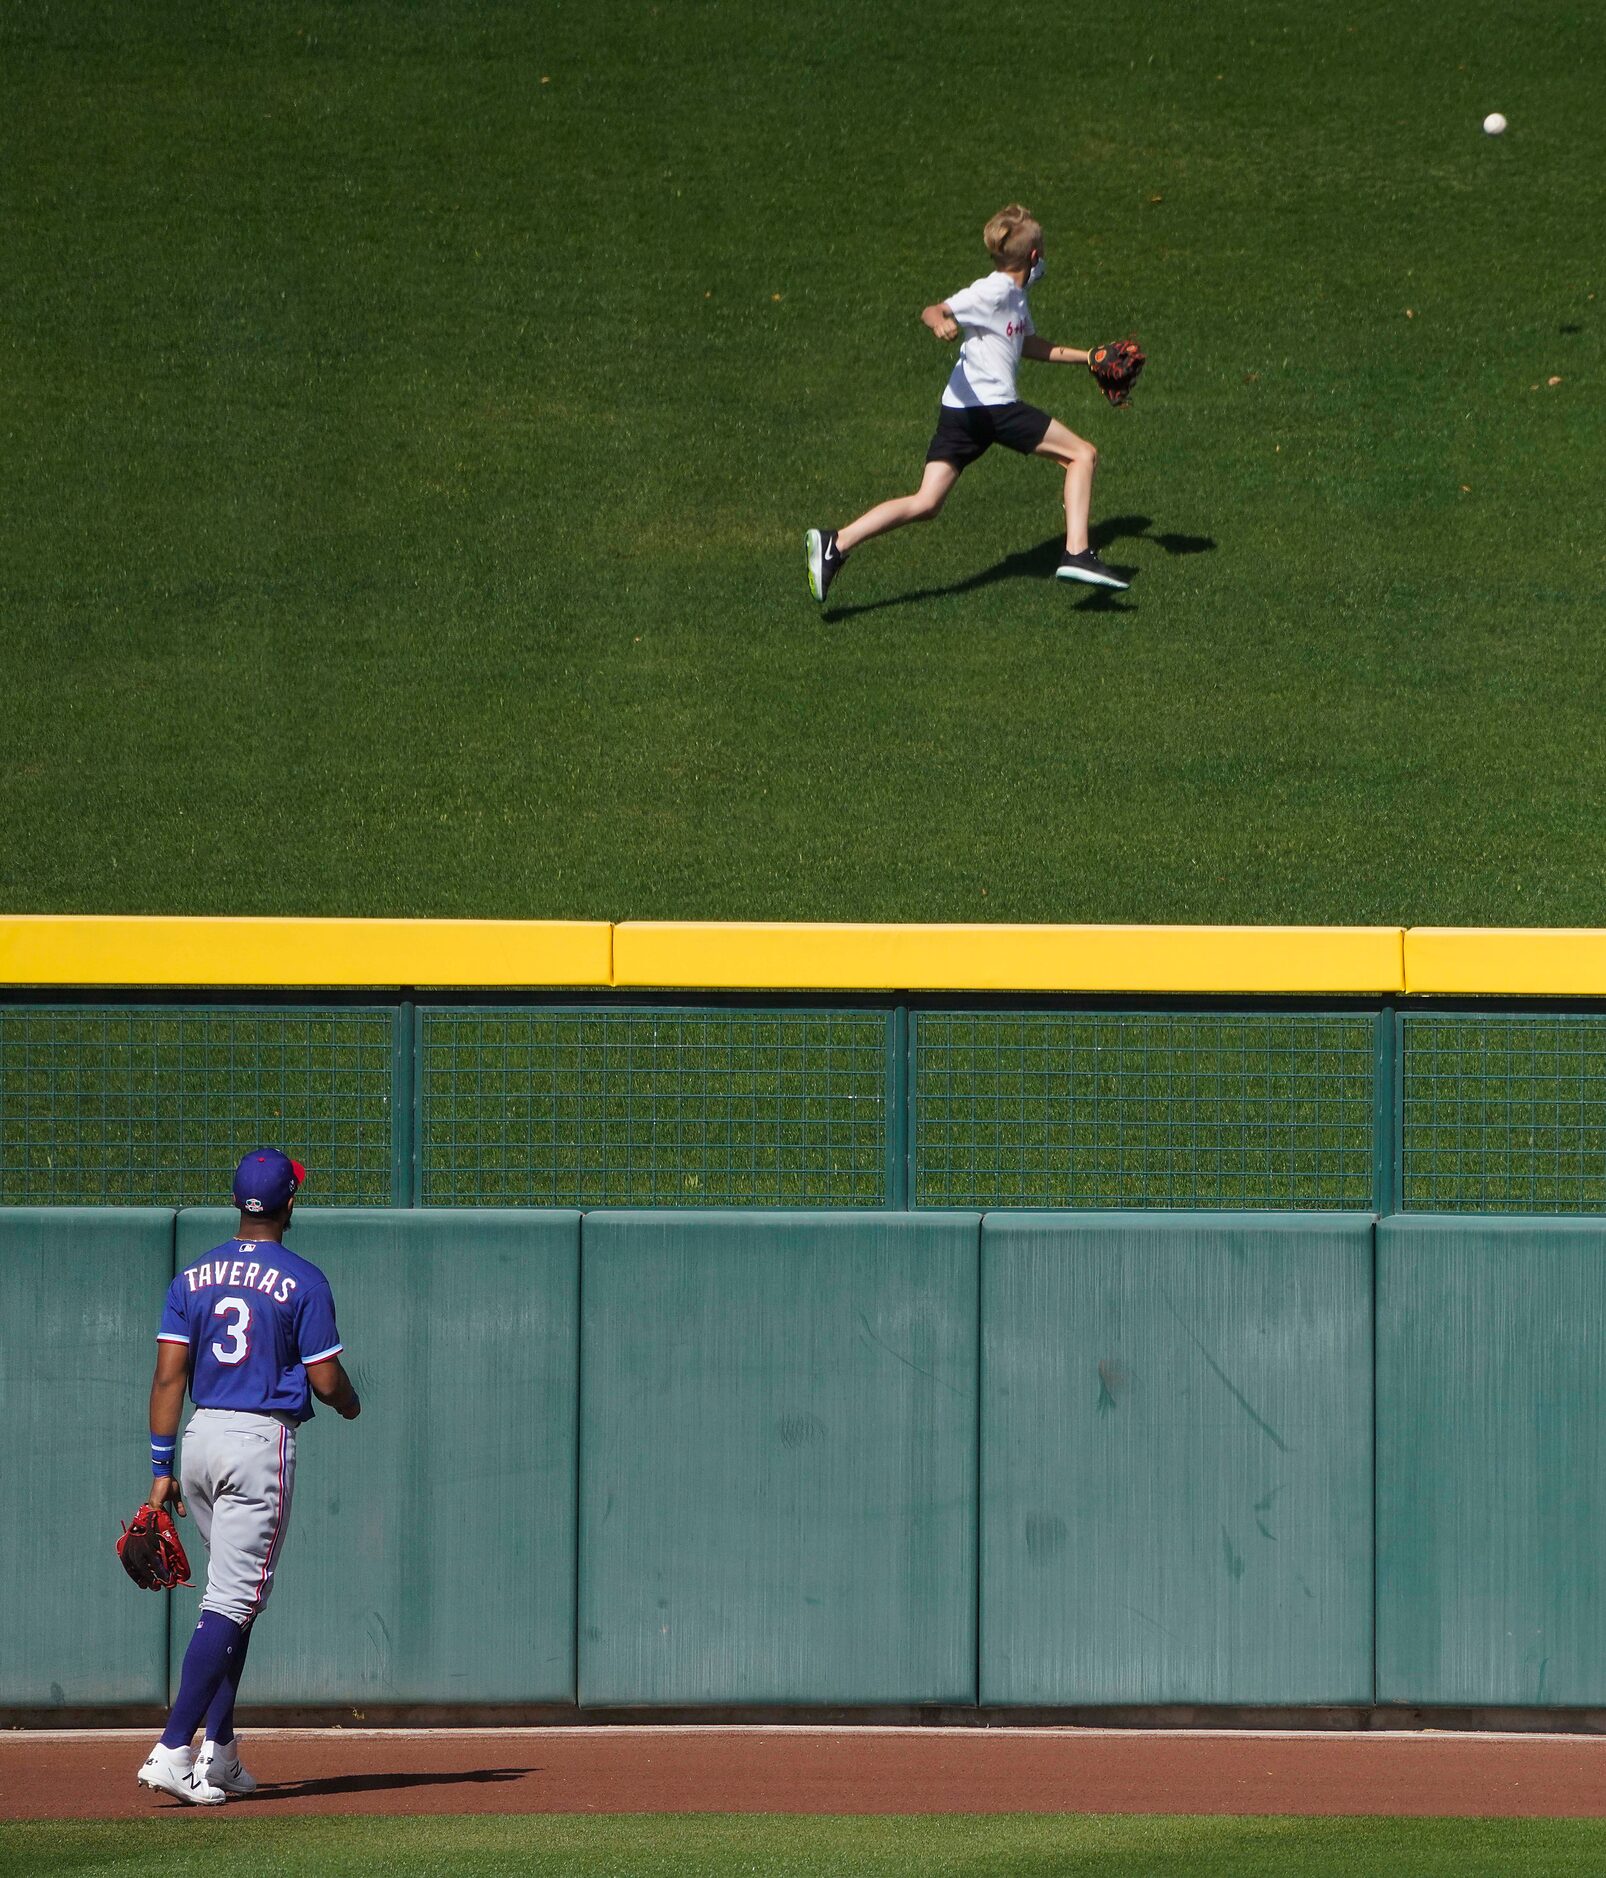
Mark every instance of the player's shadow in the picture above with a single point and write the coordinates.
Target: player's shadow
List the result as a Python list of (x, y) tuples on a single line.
[(383, 1783), (1040, 562)]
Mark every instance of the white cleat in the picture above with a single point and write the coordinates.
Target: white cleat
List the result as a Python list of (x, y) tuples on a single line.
[(220, 1767), (171, 1770)]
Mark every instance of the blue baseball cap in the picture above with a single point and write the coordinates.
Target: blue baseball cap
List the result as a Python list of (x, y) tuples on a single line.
[(265, 1179)]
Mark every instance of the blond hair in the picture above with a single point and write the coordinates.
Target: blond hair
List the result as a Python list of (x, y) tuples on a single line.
[(1011, 236)]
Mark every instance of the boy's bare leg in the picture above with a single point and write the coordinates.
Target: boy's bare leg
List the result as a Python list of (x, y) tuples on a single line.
[(933, 492), (1081, 459)]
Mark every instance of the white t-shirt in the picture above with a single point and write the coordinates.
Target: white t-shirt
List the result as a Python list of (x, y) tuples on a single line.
[(995, 319)]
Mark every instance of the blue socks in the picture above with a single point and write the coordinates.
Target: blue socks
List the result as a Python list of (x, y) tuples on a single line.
[(217, 1641), (220, 1714)]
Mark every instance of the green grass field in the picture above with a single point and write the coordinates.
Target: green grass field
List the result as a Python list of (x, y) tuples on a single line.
[(412, 414), (770, 1846)]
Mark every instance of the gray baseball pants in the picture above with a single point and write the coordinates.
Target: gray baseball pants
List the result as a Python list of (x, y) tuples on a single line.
[(237, 1475)]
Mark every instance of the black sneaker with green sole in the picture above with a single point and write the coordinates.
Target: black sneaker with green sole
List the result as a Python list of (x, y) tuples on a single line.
[(1090, 571), (824, 560)]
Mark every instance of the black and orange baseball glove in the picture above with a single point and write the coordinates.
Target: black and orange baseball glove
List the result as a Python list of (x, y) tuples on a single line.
[(151, 1553), (1116, 367)]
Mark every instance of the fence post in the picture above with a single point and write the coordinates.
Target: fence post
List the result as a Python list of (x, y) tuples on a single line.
[(403, 1091), (899, 1101), (1387, 1110)]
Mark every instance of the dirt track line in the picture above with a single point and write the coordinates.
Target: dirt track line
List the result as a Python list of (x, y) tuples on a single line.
[(781, 1769)]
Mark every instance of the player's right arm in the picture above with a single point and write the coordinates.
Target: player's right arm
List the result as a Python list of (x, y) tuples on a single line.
[(941, 321), (332, 1386), (168, 1385), (167, 1405)]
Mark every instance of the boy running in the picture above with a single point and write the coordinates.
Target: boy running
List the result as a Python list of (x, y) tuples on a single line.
[(980, 408)]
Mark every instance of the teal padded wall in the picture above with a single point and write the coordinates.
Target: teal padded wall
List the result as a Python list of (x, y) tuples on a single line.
[(1176, 1458), (1491, 1453), (780, 1460), (431, 1549), (778, 1457), (81, 1294)]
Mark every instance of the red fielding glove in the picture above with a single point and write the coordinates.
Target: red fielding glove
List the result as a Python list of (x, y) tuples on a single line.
[(151, 1552), (1116, 367)]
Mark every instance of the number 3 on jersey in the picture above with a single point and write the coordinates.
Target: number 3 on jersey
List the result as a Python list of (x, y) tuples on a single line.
[(236, 1315)]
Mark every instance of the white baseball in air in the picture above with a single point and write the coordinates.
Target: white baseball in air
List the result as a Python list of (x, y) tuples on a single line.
[(1494, 123)]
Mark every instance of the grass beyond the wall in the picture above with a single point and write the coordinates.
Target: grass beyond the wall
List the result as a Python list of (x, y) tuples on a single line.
[(412, 415)]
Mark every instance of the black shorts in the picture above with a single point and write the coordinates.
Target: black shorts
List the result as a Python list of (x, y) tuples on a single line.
[(963, 435)]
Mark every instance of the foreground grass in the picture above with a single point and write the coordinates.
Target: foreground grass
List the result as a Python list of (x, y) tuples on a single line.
[(769, 1846), (412, 415)]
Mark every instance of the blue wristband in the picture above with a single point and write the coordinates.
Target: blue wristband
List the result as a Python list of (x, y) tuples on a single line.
[(162, 1447)]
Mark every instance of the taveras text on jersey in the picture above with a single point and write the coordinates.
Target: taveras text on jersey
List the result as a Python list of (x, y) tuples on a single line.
[(241, 1274)]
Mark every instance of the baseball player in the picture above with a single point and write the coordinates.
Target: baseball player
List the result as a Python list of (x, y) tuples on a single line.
[(249, 1327)]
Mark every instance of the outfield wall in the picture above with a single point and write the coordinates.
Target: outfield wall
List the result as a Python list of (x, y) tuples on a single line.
[(838, 1458), (584, 1064)]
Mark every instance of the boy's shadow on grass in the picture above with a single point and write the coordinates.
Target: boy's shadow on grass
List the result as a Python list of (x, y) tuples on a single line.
[(1040, 562)]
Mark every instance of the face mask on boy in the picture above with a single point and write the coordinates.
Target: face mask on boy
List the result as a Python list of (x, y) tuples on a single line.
[(1037, 272)]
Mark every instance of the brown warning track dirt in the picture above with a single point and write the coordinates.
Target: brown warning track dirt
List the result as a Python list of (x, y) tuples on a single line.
[(822, 1770)]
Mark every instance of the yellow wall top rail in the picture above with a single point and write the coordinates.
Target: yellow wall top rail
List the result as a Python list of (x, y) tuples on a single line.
[(43, 949), (1009, 958), (117, 949), (1517, 962)]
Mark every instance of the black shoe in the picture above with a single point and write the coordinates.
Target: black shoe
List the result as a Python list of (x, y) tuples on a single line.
[(824, 558), (1090, 571)]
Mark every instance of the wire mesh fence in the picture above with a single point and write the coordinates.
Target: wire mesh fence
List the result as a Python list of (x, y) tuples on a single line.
[(1504, 1113), (653, 1107), (152, 1105), (1145, 1108), (771, 1106)]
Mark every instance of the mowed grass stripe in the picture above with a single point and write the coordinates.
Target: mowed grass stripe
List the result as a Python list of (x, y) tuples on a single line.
[(770, 1846)]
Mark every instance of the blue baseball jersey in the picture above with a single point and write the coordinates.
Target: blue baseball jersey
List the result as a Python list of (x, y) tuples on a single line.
[(254, 1316)]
